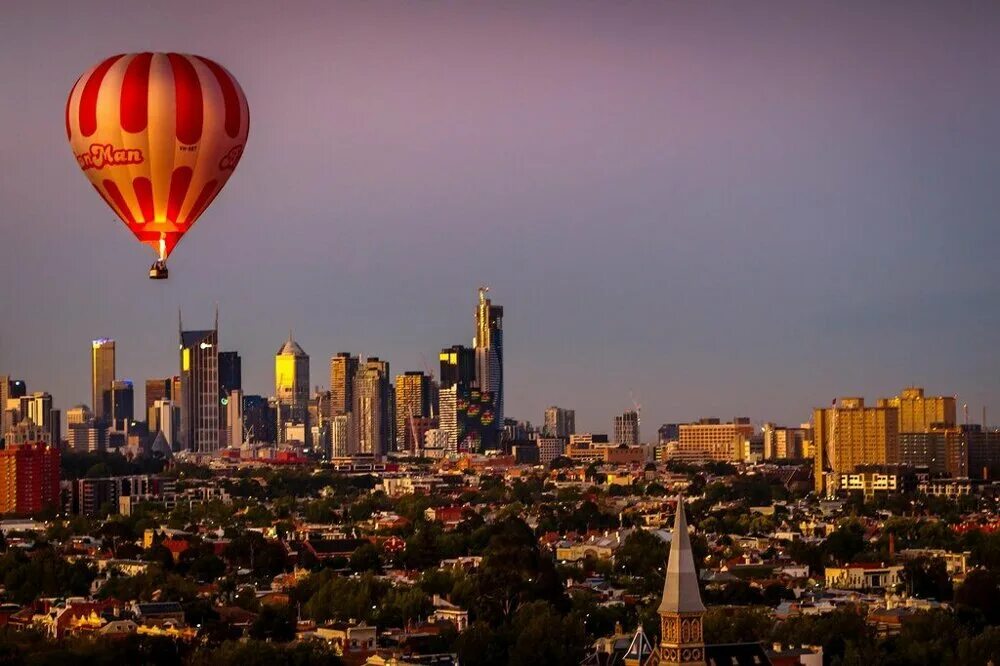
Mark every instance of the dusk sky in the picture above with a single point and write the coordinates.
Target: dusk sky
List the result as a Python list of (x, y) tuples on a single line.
[(723, 208)]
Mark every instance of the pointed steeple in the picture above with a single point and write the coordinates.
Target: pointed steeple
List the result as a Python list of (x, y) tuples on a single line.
[(680, 586)]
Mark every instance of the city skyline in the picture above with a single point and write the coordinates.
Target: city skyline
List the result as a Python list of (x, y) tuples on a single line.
[(703, 211)]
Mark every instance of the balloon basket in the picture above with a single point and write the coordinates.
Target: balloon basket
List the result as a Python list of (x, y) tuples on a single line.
[(158, 271)]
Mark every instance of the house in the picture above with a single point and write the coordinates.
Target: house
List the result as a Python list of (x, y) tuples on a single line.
[(445, 611), (863, 576)]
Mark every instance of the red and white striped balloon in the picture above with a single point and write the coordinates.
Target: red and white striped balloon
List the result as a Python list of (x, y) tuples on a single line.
[(158, 135)]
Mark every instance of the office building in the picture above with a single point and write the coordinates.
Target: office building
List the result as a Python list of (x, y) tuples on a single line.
[(372, 428), (230, 372), (291, 385), (88, 437), (232, 406), (7, 419), (78, 414), (157, 389), (102, 374), (165, 418), (458, 366), (710, 440), (783, 443), (983, 451), (26, 432), (199, 363), (848, 435), (122, 404), (343, 368), (37, 408), (919, 413), (488, 345), (559, 422), (29, 478), (413, 393), (550, 448), (259, 420)]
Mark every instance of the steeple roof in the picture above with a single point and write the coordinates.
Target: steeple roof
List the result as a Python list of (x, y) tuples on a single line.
[(680, 586), (291, 348)]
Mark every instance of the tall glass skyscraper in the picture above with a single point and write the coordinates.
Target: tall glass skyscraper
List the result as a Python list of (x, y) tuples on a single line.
[(488, 344), (291, 384), (102, 375), (199, 356)]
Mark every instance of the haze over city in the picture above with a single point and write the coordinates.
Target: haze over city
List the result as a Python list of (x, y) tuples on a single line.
[(723, 210)]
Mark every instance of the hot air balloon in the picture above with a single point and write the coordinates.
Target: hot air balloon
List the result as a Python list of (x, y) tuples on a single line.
[(158, 135)]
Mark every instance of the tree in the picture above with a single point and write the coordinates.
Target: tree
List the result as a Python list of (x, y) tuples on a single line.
[(927, 577), (643, 556), (274, 624), (366, 558), (543, 636)]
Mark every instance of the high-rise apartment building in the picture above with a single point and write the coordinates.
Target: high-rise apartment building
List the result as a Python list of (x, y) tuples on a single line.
[(711, 440), (102, 374), (372, 427), (29, 478), (199, 362), (627, 429), (488, 345), (849, 434), (343, 368), (550, 448), (37, 408), (919, 413), (413, 393), (340, 435), (559, 422)]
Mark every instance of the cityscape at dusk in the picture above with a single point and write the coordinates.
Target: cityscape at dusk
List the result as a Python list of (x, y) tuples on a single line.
[(485, 333)]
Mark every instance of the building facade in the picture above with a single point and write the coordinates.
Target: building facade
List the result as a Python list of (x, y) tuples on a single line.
[(343, 369), (102, 375), (413, 401), (291, 385), (848, 435), (488, 345), (199, 364), (29, 478), (559, 422)]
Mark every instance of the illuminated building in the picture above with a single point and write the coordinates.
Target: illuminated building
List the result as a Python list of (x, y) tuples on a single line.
[(291, 385), (29, 478), (550, 448), (340, 430), (627, 429), (559, 422), (199, 362), (165, 418), (37, 408), (942, 450), (710, 440), (983, 451), (782, 443), (918, 413), (412, 402), (88, 437), (102, 374), (343, 368), (371, 423), (78, 414), (848, 435), (458, 366), (488, 345)]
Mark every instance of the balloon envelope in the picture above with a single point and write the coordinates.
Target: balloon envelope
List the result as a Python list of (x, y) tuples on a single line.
[(158, 135)]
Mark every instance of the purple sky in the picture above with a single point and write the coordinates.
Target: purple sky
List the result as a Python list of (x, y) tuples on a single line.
[(727, 208)]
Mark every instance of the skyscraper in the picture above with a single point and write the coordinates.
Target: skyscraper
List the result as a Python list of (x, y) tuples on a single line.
[(199, 356), (458, 366), (412, 402), (6, 421), (156, 389), (291, 384), (559, 422), (488, 343), (102, 374), (343, 368), (122, 404), (371, 425), (847, 435), (627, 429), (230, 372), (259, 419), (37, 408), (165, 417)]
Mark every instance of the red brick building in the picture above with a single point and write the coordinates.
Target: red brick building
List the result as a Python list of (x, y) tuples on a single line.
[(29, 478)]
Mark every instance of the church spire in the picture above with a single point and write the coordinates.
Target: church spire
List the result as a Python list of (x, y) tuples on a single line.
[(681, 609), (680, 585)]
